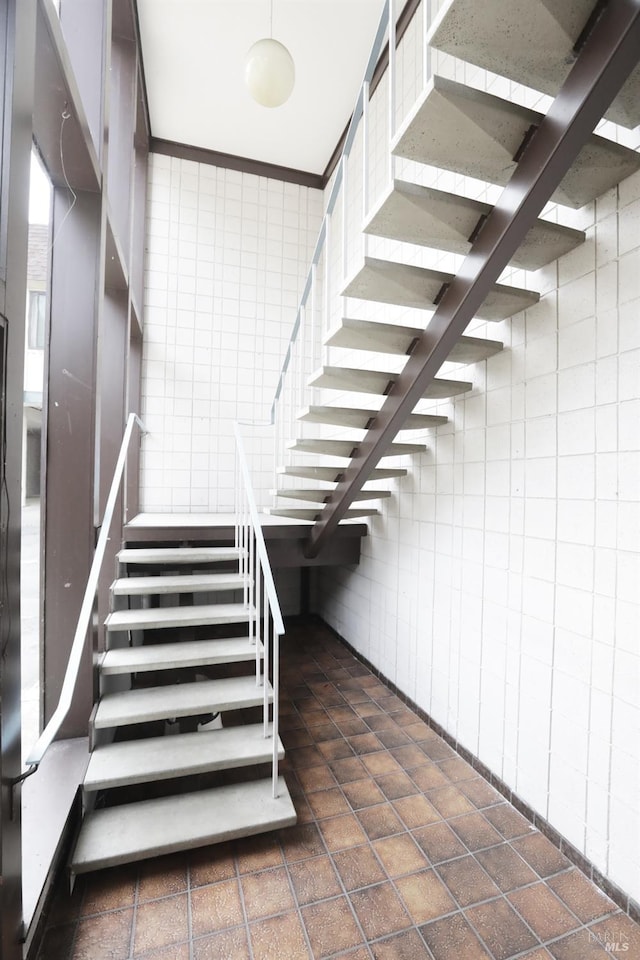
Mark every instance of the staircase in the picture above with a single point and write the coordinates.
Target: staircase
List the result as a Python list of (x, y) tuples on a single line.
[(178, 755), (183, 646), (470, 133)]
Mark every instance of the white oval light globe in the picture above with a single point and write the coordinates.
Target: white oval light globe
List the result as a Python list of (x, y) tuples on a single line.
[(269, 73)]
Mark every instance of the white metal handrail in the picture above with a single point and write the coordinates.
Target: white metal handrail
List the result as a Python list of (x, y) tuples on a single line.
[(261, 597), (386, 27), (82, 628)]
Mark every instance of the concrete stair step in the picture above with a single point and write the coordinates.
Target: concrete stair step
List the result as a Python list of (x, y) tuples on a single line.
[(361, 419), (184, 653), (445, 221), (345, 448), (380, 382), (179, 700), (188, 583), (157, 618), (392, 338), (180, 755), (152, 827), (302, 514), (529, 41), (476, 134), (387, 281), (334, 473), (321, 496), (178, 555)]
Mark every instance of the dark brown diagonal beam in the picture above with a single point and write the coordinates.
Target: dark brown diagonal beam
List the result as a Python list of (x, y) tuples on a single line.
[(609, 54)]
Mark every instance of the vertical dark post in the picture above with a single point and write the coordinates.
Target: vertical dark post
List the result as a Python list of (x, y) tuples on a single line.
[(17, 57)]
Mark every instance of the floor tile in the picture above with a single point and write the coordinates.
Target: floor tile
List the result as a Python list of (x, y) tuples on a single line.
[(331, 927), (178, 951), (452, 937), (402, 946), (209, 864), (279, 937), (475, 831), (328, 803), (358, 867), (216, 907), (162, 877), (258, 853), (547, 916), (480, 792), (506, 867), (109, 890), (467, 881), (450, 801), (266, 893), (581, 896), (425, 896), (381, 764), (396, 785), (582, 945), (501, 929), (314, 879), (316, 778), (363, 793), (541, 854), (416, 811), (508, 821), (619, 930), (341, 832), (380, 911), (380, 821), (428, 777), (439, 842), (400, 855), (231, 944), (409, 756), (347, 770), (159, 923), (457, 769), (303, 841)]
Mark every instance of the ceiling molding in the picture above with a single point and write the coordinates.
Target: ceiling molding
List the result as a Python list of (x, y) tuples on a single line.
[(214, 158)]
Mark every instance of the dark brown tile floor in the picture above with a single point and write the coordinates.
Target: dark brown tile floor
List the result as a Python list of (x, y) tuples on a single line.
[(401, 852)]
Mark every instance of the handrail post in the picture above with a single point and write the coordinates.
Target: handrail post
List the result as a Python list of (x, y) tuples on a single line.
[(392, 87), (272, 615)]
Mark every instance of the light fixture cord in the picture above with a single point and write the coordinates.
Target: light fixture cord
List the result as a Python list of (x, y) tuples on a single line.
[(271, 19)]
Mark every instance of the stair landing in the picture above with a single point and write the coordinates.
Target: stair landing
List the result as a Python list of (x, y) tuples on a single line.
[(285, 538)]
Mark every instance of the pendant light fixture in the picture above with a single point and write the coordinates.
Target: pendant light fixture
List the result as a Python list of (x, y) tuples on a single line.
[(269, 71)]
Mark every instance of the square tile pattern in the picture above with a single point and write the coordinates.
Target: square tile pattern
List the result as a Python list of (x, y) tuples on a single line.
[(401, 852)]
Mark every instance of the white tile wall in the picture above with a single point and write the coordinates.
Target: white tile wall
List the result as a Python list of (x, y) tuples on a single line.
[(227, 256), (500, 588)]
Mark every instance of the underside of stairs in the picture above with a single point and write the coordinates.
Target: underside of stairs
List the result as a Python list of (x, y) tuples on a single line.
[(181, 736), (394, 373)]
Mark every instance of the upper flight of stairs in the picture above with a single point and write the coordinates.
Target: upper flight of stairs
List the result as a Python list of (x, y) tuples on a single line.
[(470, 133), (181, 649)]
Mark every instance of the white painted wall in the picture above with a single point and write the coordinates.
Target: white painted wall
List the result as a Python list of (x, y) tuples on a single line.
[(227, 256)]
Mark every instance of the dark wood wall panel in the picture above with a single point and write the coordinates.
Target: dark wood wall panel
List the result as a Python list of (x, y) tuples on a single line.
[(69, 501), (112, 388)]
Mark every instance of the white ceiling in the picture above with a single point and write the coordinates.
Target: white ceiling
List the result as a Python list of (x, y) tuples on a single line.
[(194, 54)]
